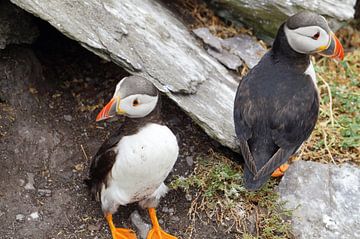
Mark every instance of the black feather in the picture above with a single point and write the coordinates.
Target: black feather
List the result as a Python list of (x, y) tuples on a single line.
[(275, 110)]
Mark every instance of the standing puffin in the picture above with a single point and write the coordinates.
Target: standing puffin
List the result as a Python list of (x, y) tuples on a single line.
[(277, 102), (132, 164)]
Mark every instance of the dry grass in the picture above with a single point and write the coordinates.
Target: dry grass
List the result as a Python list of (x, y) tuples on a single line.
[(336, 138), (202, 16), (217, 190)]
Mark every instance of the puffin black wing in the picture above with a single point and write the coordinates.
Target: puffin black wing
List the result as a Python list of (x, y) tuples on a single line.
[(102, 164), (272, 117), (290, 127)]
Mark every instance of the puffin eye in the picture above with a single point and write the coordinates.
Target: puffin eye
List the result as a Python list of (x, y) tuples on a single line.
[(136, 102), (316, 36)]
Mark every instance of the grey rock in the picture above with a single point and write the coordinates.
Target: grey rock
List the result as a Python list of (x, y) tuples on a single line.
[(208, 38), (21, 182), (142, 227), (93, 227), (326, 198), (190, 160), (188, 197), (16, 26), (171, 211), (68, 118), (146, 39), (224, 57), (34, 216), (175, 218), (20, 217), (44, 192), (265, 16), (30, 184), (246, 47)]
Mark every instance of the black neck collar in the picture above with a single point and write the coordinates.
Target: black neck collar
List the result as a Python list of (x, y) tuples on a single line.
[(282, 51)]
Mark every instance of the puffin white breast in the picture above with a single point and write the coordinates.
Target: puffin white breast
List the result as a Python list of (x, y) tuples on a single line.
[(143, 162)]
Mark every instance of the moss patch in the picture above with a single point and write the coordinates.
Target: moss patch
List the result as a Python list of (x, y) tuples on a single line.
[(216, 186)]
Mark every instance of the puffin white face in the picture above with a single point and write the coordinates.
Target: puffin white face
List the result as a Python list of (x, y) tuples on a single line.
[(134, 97), (136, 106), (307, 40), (309, 33)]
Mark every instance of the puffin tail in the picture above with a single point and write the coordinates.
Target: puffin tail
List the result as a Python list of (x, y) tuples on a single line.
[(266, 168), (252, 184)]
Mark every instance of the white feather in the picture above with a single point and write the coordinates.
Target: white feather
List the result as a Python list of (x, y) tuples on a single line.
[(143, 162), (311, 72), (300, 39), (146, 104)]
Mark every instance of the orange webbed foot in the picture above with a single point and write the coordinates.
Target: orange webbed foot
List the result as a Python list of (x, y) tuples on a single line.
[(119, 233), (280, 170), (159, 234), (156, 232)]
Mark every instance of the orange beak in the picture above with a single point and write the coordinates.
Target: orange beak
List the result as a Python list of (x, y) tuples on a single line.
[(334, 50), (108, 111)]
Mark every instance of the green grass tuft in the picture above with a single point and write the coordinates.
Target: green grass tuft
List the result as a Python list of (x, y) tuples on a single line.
[(220, 194)]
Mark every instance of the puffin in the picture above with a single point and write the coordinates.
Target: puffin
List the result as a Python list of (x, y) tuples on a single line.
[(277, 103), (132, 164)]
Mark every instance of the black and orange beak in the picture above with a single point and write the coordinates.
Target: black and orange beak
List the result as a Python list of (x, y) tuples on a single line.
[(334, 50), (110, 110)]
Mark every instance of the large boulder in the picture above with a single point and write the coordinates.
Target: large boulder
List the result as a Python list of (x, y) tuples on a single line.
[(266, 16), (325, 199), (146, 39)]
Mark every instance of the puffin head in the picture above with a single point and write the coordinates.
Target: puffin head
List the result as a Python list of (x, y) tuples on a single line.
[(309, 33), (134, 97)]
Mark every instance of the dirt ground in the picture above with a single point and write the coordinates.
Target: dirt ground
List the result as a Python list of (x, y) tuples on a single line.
[(50, 93)]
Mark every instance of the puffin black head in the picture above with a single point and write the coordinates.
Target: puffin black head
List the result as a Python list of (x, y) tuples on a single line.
[(309, 33), (134, 97)]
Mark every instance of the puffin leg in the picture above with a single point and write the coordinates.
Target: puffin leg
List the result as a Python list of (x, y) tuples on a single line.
[(119, 233), (156, 232), (280, 170)]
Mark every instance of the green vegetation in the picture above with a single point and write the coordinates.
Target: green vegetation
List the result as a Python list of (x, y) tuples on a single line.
[(336, 138), (219, 192)]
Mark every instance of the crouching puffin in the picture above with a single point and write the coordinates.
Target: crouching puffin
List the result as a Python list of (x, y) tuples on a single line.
[(277, 102), (132, 164)]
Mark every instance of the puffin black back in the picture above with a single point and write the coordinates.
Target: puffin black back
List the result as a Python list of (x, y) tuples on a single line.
[(276, 104)]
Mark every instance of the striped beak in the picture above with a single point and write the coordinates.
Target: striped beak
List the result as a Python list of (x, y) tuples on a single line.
[(110, 110), (334, 50)]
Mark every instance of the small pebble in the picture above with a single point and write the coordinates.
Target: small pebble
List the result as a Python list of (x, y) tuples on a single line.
[(21, 182), (175, 218), (31, 182), (68, 117), (142, 227), (34, 215), (190, 160), (20, 217), (188, 197), (93, 227), (44, 192), (171, 211)]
